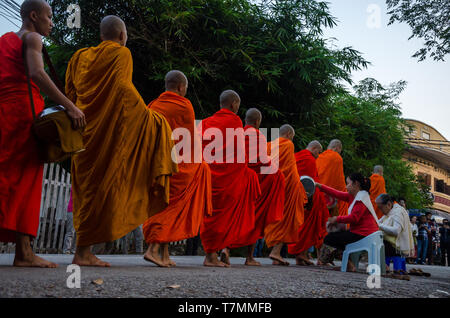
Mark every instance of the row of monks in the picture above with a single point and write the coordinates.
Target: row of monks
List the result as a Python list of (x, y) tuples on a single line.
[(126, 176)]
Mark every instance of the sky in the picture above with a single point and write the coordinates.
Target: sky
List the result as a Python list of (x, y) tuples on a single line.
[(362, 24), (427, 96)]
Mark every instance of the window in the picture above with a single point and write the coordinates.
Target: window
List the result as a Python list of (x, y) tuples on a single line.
[(425, 135), (425, 178)]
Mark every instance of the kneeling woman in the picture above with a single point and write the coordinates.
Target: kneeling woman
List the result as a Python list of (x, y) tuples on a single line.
[(395, 224), (361, 217)]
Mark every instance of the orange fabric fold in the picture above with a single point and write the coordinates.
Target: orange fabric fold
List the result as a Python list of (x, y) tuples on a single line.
[(286, 230), (122, 178), (330, 168), (235, 187), (190, 188), (20, 168), (270, 204), (377, 187), (313, 230)]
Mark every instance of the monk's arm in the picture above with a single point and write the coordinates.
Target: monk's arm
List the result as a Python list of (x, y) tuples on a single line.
[(343, 196), (40, 77)]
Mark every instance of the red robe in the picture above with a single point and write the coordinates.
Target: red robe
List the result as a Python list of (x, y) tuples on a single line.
[(20, 168), (270, 204), (235, 187), (313, 230), (190, 187)]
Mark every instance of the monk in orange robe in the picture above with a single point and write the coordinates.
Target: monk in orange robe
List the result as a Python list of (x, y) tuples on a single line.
[(286, 230), (330, 168), (235, 187), (270, 204), (313, 230), (20, 168), (122, 178), (190, 188), (377, 187)]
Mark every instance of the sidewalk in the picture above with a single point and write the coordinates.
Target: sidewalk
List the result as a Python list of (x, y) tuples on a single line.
[(131, 276)]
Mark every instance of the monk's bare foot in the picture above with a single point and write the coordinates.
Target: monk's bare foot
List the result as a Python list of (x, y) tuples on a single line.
[(303, 259), (33, 261), (277, 258), (165, 255), (88, 259), (225, 256), (211, 260), (84, 257), (152, 255), (278, 263), (169, 263), (24, 256), (250, 261)]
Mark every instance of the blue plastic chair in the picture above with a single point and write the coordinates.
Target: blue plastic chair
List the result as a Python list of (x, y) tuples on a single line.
[(374, 246), (399, 262)]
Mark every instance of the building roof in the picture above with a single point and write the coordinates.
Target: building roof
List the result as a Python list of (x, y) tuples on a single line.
[(421, 122), (436, 156)]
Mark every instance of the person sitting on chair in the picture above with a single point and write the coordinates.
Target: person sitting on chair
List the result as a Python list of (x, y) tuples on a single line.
[(361, 217), (397, 234)]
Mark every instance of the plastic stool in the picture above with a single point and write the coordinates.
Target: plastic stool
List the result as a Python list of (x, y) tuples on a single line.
[(374, 246)]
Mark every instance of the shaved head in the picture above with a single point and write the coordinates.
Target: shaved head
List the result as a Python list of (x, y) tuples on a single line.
[(335, 145), (253, 117), (112, 28), (286, 131), (32, 5), (378, 169), (315, 148), (176, 82), (230, 100)]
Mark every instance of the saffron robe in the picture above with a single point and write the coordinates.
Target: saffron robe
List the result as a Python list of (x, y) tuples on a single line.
[(330, 168), (20, 167), (235, 187), (313, 230), (270, 204), (377, 187), (286, 230), (190, 188), (122, 178)]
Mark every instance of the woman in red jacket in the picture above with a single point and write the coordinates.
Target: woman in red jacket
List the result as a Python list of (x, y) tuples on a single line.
[(360, 217)]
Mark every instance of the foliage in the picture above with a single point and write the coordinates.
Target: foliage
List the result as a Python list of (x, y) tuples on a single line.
[(370, 127), (273, 54), (428, 20)]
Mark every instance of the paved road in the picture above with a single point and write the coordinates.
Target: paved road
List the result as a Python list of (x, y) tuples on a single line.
[(131, 276)]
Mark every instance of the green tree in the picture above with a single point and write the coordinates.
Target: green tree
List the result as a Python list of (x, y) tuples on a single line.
[(429, 20), (370, 126), (271, 53)]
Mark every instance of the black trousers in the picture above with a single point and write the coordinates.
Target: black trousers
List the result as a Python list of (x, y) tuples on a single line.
[(389, 250), (445, 249), (340, 239)]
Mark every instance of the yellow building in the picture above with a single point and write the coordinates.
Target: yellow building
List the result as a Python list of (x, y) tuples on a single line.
[(429, 154)]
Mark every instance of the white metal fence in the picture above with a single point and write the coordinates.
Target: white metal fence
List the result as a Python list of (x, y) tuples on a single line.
[(53, 214)]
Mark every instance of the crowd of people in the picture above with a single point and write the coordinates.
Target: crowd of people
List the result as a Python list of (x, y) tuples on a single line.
[(431, 240), (227, 192)]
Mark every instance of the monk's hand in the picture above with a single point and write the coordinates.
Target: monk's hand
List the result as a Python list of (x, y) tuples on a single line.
[(77, 116), (332, 220), (318, 185)]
